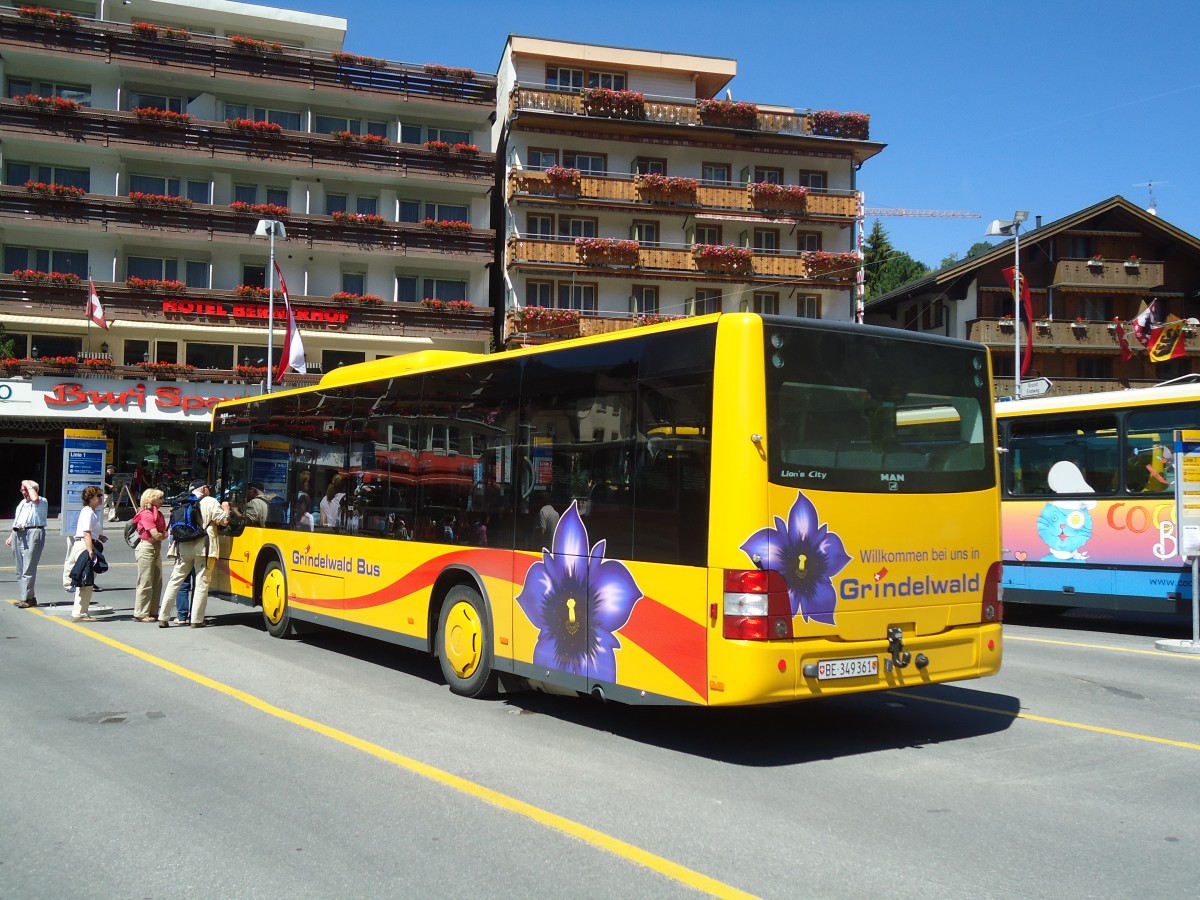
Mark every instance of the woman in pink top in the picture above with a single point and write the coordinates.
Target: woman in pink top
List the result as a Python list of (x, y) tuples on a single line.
[(152, 531)]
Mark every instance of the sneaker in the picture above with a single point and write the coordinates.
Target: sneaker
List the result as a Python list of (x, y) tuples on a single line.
[(84, 619), (179, 621), (199, 624), (26, 604)]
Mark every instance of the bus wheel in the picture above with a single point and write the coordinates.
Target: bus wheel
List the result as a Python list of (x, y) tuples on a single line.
[(276, 618), (465, 645)]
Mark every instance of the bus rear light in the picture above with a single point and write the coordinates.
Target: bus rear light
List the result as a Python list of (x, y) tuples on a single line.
[(756, 606), (992, 608)]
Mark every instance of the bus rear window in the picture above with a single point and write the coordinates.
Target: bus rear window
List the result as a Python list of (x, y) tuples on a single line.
[(860, 412)]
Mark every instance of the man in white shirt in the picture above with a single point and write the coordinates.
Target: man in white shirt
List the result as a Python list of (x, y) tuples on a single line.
[(29, 533)]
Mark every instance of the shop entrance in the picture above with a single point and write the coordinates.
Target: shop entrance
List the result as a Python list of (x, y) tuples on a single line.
[(22, 458)]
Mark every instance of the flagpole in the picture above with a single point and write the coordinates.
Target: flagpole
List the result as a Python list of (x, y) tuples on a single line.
[(269, 228), (89, 310)]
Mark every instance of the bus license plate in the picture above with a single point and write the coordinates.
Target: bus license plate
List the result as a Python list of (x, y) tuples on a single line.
[(828, 669)]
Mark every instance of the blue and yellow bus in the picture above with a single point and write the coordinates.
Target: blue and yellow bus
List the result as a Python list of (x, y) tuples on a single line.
[(731, 509), (1089, 499)]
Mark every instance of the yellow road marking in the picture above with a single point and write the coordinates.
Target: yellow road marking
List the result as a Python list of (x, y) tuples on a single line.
[(1063, 722), (1167, 653), (682, 874)]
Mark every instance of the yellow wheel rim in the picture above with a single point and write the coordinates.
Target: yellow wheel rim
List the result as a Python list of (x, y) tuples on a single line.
[(463, 639), (274, 596)]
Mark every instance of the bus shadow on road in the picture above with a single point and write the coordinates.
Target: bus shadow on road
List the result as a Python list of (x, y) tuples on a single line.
[(763, 736)]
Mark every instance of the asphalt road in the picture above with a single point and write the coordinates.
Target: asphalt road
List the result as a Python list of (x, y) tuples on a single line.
[(222, 763)]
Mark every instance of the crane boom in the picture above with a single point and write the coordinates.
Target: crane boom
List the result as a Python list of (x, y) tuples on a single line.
[(927, 213)]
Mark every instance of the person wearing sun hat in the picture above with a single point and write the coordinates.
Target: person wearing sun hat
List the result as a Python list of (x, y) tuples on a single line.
[(198, 556)]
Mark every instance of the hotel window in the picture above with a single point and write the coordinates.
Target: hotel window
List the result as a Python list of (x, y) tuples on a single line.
[(410, 134), (196, 274), (715, 173), (336, 203), (808, 240), (577, 296), (366, 206), (537, 225), (410, 210), (406, 288), (1098, 309), (165, 351), (354, 282), (80, 93), (285, 119), (255, 276), (135, 352), (769, 174), (73, 262), (450, 136), (766, 240), (614, 81), (209, 356), (1079, 247), (245, 193), (645, 300), (330, 124), (645, 233), (808, 307), (707, 300), (448, 212), (574, 226), (153, 184), (814, 181), (277, 196), (198, 191), (764, 303), (151, 268), (445, 289), (16, 174), (645, 165), (587, 163), (157, 101), (559, 79), (333, 359), (707, 234), (540, 159), (539, 293)]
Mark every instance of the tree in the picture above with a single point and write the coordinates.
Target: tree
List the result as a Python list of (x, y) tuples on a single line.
[(899, 269), (876, 249), (948, 260), (979, 247), (7, 344)]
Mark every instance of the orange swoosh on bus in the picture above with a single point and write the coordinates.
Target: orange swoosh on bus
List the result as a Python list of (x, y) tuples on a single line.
[(671, 638)]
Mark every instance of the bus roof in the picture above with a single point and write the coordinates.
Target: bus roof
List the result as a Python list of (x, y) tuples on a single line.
[(1131, 398)]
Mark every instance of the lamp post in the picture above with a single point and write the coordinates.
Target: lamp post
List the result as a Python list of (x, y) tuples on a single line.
[(1002, 228), (271, 228)]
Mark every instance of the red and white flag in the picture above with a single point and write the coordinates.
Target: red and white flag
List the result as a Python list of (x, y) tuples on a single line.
[(292, 355), (95, 310), (1142, 325), (1123, 340)]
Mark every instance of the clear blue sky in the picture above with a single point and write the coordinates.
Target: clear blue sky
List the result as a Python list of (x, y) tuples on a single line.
[(987, 107)]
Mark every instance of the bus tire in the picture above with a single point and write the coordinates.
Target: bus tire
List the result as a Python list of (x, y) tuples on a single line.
[(464, 644), (277, 618)]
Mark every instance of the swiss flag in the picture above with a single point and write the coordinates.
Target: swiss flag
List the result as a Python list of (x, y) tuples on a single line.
[(292, 355), (95, 310)]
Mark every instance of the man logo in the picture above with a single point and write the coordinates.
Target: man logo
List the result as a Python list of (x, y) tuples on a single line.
[(891, 476)]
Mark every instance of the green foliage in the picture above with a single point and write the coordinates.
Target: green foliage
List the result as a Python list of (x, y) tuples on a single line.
[(979, 247), (948, 260), (898, 269), (876, 248), (7, 344)]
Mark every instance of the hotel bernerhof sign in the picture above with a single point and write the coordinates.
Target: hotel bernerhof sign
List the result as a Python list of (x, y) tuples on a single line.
[(59, 396)]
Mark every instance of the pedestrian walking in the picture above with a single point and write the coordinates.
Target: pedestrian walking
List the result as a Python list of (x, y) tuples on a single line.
[(28, 539), (152, 531), (86, 541), (198, 555)]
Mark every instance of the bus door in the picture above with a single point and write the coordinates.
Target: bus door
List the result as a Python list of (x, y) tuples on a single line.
[(229, 460)]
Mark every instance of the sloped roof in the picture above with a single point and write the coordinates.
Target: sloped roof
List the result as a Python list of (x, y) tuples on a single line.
[(1004, 250)]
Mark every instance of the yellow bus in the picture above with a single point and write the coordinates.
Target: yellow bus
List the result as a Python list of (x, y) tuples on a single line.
[(731, 509)]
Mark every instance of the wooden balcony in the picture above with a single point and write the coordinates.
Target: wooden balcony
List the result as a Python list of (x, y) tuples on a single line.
[(82, 373), (1098, 337), (516, 334), (216, 223), (1062, 387), (218, 57), (1111, 276), (214, 308), (664, 262), (216, 140), (612, 189), (658, 110)]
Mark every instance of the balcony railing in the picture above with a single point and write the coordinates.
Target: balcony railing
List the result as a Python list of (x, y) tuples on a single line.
[(35, 368), (613, 188), (588, 324), (1109, 275), (114, 42), (221, 223), (667, 111), (664, 261), (215, 308), (213, 139), (1060, 335), (1061, 387)]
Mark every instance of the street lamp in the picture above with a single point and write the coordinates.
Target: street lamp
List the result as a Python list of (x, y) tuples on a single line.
[(271, 228), (1001, 228)]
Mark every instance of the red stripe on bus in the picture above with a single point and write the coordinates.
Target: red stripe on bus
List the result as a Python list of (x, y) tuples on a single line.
[(673, 639)]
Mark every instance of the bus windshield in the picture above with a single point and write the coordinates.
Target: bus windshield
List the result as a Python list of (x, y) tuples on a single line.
[(856, 411)]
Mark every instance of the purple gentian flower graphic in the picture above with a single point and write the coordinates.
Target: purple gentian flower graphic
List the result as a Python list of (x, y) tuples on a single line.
[(577, 599), (807, 555)]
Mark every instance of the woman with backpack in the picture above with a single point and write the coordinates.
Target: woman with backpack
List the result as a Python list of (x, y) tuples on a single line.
[(151, 527)]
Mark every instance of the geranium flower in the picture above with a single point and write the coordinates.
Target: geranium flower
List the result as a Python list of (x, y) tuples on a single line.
[(577, 599), (807, 555)]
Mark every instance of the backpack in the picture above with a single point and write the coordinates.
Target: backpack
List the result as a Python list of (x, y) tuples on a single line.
[(186, 524), (131, 534)]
